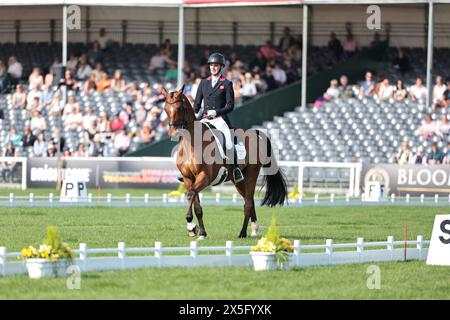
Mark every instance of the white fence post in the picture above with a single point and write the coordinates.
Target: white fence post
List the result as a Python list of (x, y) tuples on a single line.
[(194, 252), (200, 196), (50, 198), (122, 254), (164, 197), (158, 252), (31, 197), (329, 249), (449, 198), (146, 198), (332, 198), (83, 256), (108, 198), (393, 197), (300, 198), (390, 246), (422, 197), (360, 248), (234, 197), (297, 252), (229, 252), (89, 198), (182, 198), (127, 198), (347, 197), (11, 198), (420, 246), (316, 198), (218, 197), (3, 261), (407, 198), (436, 198)]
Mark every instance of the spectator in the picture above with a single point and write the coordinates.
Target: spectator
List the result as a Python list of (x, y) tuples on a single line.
[(349, 46), (419, 157), (418, 91), (368, 86), (399, 91), (428, 128), (84, 69), (167, 48), (103, 40), (446, 97), (401, 62), (14, 71), (269, 79), (89, 86), (335, 46), (9, 167), (89, 118), (51, 150), (56, 106), (81, 151), (295, 52), (35, 79), (46, 97), (435, 156), (286, 40), (268, 51), (376, 40), (95, 55), (345, 90), (386, 91), (58, 139), (447, 155), (172, 72), (71, 103), (3, 77), (117, 124), (97, 148), (14, 137), (260, 83), (74, 120), (104, 125), (19, 98), (443, 127), (38, 124), (158, 61), (141, 114), (104, 83), (70, 82), (40, 146), (439, 89), (146, 135), (72, 63), (35, 93), (121, 142), (117, 83), (248, 90), (404, 156), (258, 61), (331, 93), (28, 138)]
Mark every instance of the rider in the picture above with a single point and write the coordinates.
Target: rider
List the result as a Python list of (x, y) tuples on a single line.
[(218, 95)]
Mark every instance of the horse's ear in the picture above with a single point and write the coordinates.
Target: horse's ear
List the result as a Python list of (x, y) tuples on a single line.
[(181, 89), (164, 92)]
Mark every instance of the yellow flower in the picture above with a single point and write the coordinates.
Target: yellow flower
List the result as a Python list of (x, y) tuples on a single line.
[(24, 252), (54, 257)]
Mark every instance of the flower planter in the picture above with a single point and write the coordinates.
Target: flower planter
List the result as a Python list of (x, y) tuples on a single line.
[(268, 261), (38, 268)]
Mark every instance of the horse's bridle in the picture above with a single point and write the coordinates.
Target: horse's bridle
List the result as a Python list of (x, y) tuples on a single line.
[(179, 123)]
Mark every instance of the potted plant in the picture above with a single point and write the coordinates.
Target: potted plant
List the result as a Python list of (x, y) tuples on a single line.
[(272, 251), (51, 259)]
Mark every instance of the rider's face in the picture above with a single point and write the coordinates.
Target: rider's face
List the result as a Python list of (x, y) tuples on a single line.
[(214, 68)]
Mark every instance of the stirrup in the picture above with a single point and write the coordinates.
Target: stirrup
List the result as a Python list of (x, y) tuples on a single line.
[(237, 174)]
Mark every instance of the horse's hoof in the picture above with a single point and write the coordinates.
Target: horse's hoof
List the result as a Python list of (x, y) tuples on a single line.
[(193, 232), (242, 235), (201, 238)]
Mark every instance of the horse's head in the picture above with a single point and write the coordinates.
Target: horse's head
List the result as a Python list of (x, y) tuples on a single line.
[(178, 109)]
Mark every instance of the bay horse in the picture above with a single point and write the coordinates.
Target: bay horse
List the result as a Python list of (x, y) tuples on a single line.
[(198, 173)]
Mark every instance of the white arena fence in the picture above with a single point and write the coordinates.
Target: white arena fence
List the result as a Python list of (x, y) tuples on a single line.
[(52, 200), (122, 257)]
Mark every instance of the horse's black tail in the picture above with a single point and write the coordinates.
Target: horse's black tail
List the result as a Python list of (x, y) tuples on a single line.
[(276, 189)]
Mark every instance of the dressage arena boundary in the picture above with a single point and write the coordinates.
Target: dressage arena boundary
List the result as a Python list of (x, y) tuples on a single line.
[(210, 200), (228, 255)]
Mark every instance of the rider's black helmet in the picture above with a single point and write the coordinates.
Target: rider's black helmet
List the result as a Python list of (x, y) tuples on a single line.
[(217, 58)]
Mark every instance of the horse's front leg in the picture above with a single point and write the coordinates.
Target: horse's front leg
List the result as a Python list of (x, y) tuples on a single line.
[(201, 182), (191, 226)]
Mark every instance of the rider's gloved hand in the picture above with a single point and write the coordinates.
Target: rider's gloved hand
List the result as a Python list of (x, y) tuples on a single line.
[(212, 114)]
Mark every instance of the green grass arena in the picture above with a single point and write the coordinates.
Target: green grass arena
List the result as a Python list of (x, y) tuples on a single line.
[(104, 227)]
